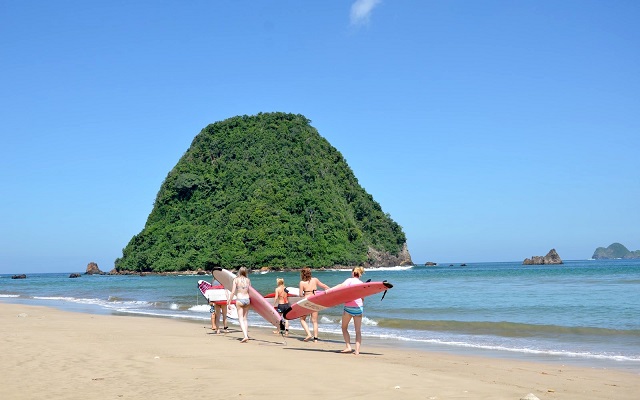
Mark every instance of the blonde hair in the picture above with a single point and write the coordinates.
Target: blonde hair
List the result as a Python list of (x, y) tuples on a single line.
[(242, 272), (280, 281), (358, 271)]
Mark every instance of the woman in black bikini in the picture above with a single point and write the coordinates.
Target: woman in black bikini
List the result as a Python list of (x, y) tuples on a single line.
[(240, 289), (308, 287)]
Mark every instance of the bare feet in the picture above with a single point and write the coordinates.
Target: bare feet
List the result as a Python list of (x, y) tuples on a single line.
[(347, 350), (307, 338), (245, 340)]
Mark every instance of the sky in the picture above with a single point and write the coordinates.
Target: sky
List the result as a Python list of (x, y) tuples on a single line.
[(489, 130)]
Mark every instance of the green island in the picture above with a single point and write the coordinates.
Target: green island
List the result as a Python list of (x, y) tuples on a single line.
[(263, 191), (615, 250)]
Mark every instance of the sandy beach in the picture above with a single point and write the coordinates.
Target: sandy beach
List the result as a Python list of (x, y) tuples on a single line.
[(48, 353)]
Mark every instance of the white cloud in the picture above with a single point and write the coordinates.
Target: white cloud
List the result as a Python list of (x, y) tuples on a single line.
[(361, 10)]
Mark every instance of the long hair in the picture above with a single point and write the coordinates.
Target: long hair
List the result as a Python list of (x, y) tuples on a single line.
[(358, 271), (305, 274), (242, 272), (280, 281)]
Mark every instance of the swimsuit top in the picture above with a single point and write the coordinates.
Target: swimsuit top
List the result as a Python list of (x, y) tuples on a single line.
[(244, 285), (284, 296), (312, 291)]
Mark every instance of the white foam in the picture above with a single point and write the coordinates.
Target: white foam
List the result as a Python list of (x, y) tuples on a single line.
[(200, 308), (9, 295), (369, 322)]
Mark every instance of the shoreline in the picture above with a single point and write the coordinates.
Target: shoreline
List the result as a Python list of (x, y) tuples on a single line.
[(558, 359), (92, 356)]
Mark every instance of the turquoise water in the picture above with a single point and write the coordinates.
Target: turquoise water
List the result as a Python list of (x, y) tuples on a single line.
[(585, 312)]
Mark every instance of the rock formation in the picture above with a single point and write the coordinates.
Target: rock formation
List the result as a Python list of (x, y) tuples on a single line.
[(92, 269), (384, 259), (552, 257)]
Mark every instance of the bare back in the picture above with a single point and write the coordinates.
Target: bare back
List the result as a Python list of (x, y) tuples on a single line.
[(308, 288)]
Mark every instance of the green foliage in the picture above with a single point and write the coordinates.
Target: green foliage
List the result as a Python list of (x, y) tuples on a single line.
[(255, 191), (615, 250)]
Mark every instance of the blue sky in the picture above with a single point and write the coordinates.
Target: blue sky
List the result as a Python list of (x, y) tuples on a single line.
[(489, 130)]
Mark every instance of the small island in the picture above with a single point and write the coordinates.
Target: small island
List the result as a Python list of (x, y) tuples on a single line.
[(615, 250), (552, 258)]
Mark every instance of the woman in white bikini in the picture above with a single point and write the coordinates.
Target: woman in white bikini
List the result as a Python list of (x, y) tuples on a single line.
[(308, 287), (241, 284)]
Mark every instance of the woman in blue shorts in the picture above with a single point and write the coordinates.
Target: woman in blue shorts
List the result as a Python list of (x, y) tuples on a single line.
[(352, 310)]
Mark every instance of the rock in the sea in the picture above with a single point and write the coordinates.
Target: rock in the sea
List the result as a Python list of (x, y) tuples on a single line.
[(552, 257), (21, 276), (74, 276), (92, 269), (385, 259)]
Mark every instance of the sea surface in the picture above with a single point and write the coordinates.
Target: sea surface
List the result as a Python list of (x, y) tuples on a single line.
[(582, 312)]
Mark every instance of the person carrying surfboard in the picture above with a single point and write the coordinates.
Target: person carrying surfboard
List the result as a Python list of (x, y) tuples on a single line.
[(308, 286), (219, 307), (281, 302), (352, 310), (240, 289)]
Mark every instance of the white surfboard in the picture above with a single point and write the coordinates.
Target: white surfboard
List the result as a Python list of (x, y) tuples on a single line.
[(218, 296)]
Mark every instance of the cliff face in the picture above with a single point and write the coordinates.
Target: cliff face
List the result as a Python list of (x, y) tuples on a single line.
[(263, 191), (552, 257), (385, 259)]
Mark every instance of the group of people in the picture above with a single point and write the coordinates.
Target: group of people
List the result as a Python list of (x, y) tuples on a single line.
[(308, 286)]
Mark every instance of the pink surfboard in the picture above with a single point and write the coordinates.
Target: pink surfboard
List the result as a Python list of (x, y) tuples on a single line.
[(261, 305), (334, 297)]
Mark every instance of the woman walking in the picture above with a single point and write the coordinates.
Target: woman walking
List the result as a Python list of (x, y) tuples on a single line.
[(240, 289), (308, 286)]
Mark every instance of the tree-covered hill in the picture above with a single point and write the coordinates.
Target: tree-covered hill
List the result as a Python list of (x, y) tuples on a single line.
[(264, 190), (615, 250)]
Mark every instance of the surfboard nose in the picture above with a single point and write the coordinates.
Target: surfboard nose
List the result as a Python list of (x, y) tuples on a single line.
[(387, 284)]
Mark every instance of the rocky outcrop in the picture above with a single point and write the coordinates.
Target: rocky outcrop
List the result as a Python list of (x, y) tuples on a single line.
[(384, 259), (21, 276), (75, 275), (92, 269), (551, 258)]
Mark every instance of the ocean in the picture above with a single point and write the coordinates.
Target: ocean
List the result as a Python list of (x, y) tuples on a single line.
[(581, 313)]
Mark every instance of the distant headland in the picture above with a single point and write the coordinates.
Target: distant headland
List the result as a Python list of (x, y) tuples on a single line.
[(615, 250)]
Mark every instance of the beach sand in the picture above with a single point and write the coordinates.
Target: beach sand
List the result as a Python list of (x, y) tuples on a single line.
[(53, 354)]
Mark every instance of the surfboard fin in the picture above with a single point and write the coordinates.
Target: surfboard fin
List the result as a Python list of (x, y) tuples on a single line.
[(389, 286)]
